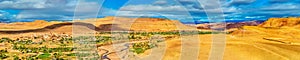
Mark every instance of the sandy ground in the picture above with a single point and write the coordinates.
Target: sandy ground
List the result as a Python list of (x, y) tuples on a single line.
[(237, 48), (249, 43)]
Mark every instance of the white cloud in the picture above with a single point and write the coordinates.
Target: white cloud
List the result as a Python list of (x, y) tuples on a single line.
[(152, 8), (281, 7), (33, 4), (23, 4), (187, 1), (84, 10), (107, 12), (5, 15), (160, 2), (242, 1), (64, 9), (237, 2), (278, 1), (174, 12)]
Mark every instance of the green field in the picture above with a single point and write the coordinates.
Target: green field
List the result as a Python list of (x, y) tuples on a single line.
[(62, 47)]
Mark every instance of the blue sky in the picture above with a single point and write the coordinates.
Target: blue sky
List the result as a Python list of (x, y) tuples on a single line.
[(183, 10)]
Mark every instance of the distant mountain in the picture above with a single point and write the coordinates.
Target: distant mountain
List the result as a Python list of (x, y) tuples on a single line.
[(228, 25), (227, 21), (281, 22), (275, 27), (96, 24)]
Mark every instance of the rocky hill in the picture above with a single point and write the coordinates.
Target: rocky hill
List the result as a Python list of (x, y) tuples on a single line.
[(97, 24), (228, 25), (277, 37), (281, 22), (273, 26)]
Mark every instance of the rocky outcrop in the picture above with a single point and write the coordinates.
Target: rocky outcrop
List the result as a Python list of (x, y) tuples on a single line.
[(228, 25), (273, 26), (97, 24), (281, 22), (144, 24)]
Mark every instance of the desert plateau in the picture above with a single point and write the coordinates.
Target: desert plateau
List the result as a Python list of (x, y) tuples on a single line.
[(149, 30), (143, 38)]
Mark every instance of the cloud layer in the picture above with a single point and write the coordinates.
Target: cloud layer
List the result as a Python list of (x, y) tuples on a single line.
[(184, 10)]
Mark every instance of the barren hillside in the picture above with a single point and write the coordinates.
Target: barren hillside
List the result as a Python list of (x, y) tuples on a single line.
[(275, 39), (98, 24), (281, 22)]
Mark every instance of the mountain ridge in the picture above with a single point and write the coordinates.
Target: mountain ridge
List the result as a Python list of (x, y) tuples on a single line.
[(98, 24)]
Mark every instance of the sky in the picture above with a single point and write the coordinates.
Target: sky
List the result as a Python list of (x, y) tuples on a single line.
[(182, 10)]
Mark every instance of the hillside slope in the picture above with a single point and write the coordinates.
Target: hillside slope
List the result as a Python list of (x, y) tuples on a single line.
[(281, 22), (277, 38), (98, 24)]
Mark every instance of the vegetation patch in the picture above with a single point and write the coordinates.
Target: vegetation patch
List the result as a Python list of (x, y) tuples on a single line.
[(141, 47)]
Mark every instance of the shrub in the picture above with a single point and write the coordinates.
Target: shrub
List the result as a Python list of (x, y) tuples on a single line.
[(3, 56), (44, 56)]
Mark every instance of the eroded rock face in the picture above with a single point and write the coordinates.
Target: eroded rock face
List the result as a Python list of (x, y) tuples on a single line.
[(142, 24), (273, 26), (97, 24), (228, 25), (280, 22)]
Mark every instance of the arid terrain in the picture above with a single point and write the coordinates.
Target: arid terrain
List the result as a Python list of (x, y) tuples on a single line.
[(118, 38)]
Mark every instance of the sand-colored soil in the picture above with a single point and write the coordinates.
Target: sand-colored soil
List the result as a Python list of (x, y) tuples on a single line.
[(276, 39), (99, 24)]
